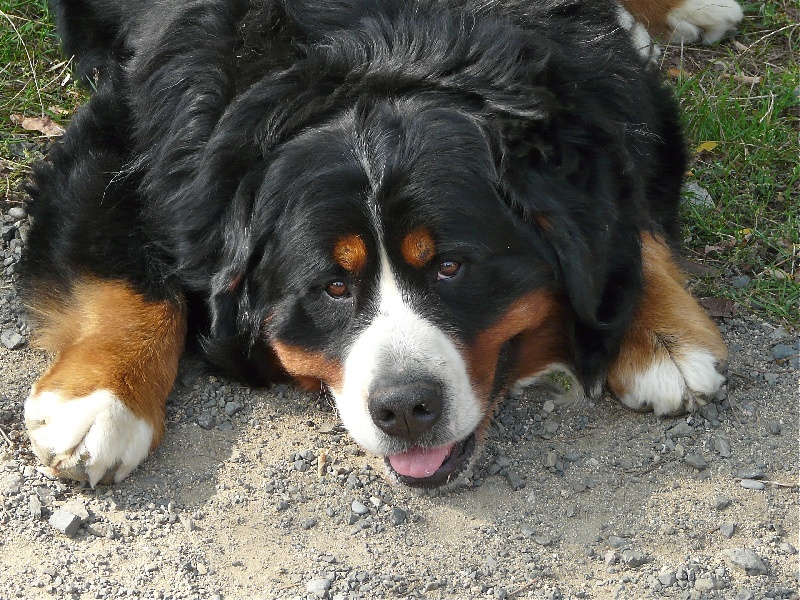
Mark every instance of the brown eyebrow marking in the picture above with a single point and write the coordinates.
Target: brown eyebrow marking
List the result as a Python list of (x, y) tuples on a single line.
[(418, 247), (350, 252)]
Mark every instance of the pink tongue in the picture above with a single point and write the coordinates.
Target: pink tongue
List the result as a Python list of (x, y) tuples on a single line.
[(420, 462)]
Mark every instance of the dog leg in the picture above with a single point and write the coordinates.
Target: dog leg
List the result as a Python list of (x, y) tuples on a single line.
[(99, 410), (669, 355)]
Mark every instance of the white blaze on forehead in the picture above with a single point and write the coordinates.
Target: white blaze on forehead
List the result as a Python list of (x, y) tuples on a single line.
[(400, 343)]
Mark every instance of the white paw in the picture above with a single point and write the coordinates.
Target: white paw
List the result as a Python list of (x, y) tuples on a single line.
[(703, 20), (674, 382), (94, 437)]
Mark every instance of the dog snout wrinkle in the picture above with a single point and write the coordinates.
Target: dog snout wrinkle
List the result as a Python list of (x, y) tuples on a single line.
[(406, 410)]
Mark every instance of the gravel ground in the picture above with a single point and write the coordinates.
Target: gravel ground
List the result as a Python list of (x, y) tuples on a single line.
[(260, 493)]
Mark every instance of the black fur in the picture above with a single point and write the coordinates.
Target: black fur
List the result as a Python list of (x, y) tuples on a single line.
[(229, 142)]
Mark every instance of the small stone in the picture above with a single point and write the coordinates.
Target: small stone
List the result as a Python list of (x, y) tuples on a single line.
[(77, 508), (667, 579), (549, 406), (302, 466), (634, 558), (233, 407), (206, 420), (751, 484), (201, 569), (774, 427), (35, 506), (722, 446), (65, 522), (187, 522), (515, 481), (309, 523), (745, 594), (745, 560), (616, 541), (611, 558), (359, 508), (543, 540), (727, 529), (783, 351), (787, 548), (17, 212), (750, 473), (11, 339), (318, 587), (682, 429), (696, 461), (398, 516), (705, 584), (550, 459), (721, 502), (740, 281)]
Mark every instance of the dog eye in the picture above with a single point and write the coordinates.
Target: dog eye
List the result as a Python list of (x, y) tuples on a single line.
[(337, 289), (447, 270)]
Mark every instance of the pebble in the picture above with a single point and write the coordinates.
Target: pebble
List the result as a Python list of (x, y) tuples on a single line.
[(727, 529), (706, 584), (782, 351), (722, 446), (65, 522), (549, 406), (750, 473), (696, 461), (633, 558), (205, 420), (359, 508), (751, 484), (740, 281), (318, 587), (744, 559), (35, 506), (744, 594), (615, 541), (11, 339), (17, 212), (231, 408), (721, 502), (682, 429), (667, 579), (774, 427), (398, 516)]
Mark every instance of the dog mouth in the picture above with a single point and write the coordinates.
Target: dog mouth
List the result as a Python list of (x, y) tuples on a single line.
[(432, 467)]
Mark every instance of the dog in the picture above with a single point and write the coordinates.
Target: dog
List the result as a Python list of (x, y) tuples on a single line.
[(414, 205)]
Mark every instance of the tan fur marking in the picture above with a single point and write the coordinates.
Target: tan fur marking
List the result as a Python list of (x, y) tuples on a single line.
[(653, 13), (535, 316), (307, 366), (107, 336), (351, 253), (418, 247), (668, 320)]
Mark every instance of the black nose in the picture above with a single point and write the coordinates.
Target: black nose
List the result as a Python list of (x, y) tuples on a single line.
[(406, 410)]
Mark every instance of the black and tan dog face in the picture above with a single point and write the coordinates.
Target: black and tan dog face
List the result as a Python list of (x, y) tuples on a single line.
[(390, 262)]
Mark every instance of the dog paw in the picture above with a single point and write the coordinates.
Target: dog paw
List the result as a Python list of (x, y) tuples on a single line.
[(707, 21), (94, 438), (677, 378)]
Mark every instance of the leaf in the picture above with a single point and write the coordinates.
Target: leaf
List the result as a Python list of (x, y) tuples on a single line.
[(719, 307), (44, 125), (706, 147)]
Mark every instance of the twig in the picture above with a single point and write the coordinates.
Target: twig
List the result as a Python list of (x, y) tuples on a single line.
[(525, 587)]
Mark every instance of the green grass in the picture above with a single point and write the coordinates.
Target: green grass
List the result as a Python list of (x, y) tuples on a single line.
[(33, 83), (752, 174), (744, 95)]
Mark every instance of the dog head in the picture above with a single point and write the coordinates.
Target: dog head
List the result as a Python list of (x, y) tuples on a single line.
[(422, 214)]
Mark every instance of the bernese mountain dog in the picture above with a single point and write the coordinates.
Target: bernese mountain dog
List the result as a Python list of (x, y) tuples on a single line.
[(413, 204)]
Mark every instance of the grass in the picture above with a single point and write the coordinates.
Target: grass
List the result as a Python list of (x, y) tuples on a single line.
[(741, 104), (743, 97)]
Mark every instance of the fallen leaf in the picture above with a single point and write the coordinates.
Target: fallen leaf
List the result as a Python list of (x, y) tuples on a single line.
[(678, 73), (743, 78), (44, 125), (706, 147), (719, 307)]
